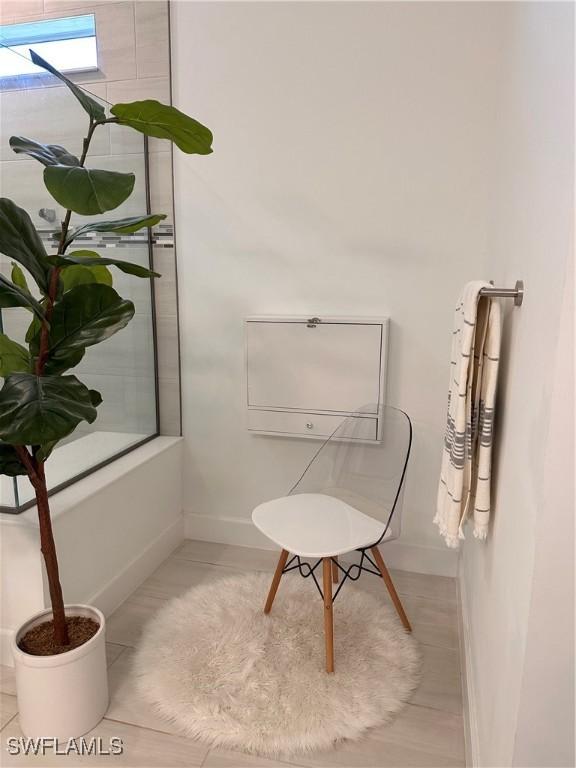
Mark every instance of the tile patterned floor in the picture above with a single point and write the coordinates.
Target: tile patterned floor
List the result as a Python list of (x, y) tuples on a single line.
[(428, 732)]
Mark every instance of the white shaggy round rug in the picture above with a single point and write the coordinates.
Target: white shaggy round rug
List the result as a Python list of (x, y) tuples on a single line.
[(221, 670)]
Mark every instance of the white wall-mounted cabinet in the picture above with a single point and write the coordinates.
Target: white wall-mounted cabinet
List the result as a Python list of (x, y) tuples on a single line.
[(304, 374)]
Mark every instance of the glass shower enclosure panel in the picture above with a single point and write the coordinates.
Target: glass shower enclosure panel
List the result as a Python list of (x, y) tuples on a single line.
[(122, 368)]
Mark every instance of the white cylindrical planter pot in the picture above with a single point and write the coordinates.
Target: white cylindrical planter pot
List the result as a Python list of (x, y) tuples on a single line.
[(66, 695)]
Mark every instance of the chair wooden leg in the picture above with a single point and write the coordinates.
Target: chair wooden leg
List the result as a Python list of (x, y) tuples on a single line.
[(328, 616), (391, 589), (276, 580), (335, 569)]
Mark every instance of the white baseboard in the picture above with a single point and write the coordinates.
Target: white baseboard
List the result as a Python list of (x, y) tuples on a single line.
[(468, 688), (225, 530), (435, 561), (121, 586)]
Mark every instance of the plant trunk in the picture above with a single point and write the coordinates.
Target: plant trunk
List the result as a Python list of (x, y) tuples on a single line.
[(48, 549)]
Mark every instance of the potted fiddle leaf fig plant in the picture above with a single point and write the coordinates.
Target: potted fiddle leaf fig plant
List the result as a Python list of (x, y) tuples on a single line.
[(59, 653)]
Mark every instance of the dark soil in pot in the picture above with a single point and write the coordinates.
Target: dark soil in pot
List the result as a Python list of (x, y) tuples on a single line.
[(39, 641)]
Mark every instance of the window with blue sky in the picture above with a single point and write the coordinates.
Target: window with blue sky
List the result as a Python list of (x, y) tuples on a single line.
[(68, 44)]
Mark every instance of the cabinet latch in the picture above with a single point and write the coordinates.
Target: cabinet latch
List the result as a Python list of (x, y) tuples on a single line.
[(313, 322)]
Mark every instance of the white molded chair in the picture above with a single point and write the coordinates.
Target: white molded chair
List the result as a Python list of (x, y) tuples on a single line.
[(348, 499)]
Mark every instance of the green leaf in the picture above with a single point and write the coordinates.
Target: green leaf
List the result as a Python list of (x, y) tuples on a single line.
[(47, 154), (84, 269), (164, 122), (93, 259), (56, 367), (88, 191), (44, 451), (19, 278), (122, 226), (13, 296), (95, 397), (20, 241), (34, 328), (94, 109), (10, 463), (35, 410), (13, 357), (78, 274), (86, 315), (51, 367)]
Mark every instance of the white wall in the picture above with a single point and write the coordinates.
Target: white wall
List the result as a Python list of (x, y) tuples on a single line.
[(518, 587), (545, 725), (349, 176)]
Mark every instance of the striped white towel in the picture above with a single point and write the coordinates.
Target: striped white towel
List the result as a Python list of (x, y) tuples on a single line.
[(465, 475)]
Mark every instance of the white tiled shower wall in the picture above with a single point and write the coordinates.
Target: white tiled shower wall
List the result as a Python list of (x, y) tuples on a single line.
[(134, 63)]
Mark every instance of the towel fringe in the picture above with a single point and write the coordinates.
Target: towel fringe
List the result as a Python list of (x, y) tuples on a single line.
[(451, 541)]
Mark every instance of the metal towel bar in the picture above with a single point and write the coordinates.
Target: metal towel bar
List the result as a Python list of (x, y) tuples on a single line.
[(516, 293)]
